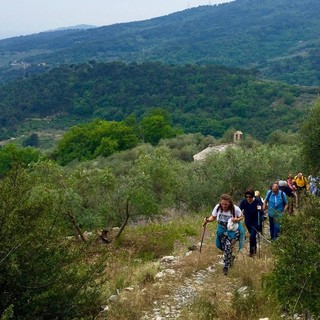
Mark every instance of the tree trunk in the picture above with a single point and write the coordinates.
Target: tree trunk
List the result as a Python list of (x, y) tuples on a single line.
[(76, 227), (125, 220)]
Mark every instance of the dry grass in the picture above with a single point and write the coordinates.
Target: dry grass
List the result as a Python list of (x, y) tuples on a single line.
[(134, 262)]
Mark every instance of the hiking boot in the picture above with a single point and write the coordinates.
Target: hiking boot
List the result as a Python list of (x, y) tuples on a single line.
[(225, 271)]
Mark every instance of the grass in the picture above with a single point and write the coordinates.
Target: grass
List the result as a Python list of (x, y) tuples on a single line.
[(134, 262)]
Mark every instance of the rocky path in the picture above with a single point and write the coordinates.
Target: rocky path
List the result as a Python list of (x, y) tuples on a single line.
[(184, 292), (186, 277)]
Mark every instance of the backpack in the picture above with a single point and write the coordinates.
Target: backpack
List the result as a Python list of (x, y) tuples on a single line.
[(305, 181)]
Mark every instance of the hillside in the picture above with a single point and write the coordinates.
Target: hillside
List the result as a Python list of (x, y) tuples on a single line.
[(187, 278), (279, 37), (207, 99)]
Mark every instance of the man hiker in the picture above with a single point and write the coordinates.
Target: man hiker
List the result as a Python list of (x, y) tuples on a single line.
[(252, 210), (276, 203), (229, 229)]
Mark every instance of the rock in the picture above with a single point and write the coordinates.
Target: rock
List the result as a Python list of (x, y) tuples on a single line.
[(167, 259), (113, 297), (159, 275), (242, 289), (129, 289), (194, 247)]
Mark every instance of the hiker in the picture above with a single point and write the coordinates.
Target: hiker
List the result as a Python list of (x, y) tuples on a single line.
[(302, 187), (283, 186), (229, 229), (292, 185), (312, 184), (258, 195), (265, 215), (275, 202), (251, 207)]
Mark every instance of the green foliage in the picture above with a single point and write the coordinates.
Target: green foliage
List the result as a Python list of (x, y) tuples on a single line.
[(158, 239), (235, 170), (11, 156), (39, 262), (310, 136), (279, 38), (208, 99), (32, 141), (156, 127), (295, 277), (153, 181), (185, 146), (278, 137), (88, 141), (43, 274)]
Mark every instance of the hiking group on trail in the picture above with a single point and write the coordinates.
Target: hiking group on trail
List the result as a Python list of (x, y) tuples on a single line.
[(282, 197)]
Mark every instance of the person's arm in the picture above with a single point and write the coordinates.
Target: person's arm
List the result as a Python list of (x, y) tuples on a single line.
[(209, 219), (265, 202), (212, 217)]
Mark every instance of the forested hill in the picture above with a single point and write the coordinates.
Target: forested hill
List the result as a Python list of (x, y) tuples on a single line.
[(207, 99), (279, 37)]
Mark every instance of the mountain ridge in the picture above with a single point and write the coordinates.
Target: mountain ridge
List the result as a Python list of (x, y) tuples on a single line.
[(280, 38)]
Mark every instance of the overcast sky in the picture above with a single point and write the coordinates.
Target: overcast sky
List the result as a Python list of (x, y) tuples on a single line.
[(22, 17)]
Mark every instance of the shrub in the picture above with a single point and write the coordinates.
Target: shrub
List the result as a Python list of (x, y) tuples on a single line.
[(296, 276)]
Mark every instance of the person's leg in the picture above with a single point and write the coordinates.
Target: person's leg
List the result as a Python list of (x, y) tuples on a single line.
[(253, 241), (290, 204), (276, 229), (227, 252), (225, 247), (228, 249), (272, 231)]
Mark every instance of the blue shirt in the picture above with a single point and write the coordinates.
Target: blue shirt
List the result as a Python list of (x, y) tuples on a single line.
[(276, 203)]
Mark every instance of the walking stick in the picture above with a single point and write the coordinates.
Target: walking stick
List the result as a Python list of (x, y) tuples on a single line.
[(202, 238), (259, 244)]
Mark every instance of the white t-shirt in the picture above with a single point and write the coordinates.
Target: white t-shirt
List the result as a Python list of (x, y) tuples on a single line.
[(224, 216)]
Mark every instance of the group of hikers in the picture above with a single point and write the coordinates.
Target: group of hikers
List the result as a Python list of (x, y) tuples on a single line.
[(283, 196)]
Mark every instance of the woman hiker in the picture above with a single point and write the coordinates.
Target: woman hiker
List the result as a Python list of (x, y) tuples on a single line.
[(251, 207), (229, 229)]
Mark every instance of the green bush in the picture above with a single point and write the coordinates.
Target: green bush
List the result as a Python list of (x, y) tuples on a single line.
[(44, 275), (296, 276)]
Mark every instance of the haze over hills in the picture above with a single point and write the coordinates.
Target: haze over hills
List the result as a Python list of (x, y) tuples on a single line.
[(77, 27), (281, 38)]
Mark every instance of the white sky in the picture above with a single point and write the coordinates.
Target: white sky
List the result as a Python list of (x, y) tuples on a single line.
[(22, 17)]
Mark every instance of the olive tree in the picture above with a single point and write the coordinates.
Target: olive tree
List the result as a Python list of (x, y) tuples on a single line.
[(310, 137), (44, 274)]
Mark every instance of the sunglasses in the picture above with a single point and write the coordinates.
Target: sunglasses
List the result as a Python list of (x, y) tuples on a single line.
[(250, 197)]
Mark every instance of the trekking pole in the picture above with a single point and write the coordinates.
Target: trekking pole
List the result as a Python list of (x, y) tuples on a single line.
[(259, 233), (201, 243), (202, 237), (259, 244)]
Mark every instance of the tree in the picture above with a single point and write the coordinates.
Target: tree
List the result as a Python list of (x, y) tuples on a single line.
[(43, 274), (32, 141), (99, 137), (310, 136), (11, 156), (296, 275), (156, 127)]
